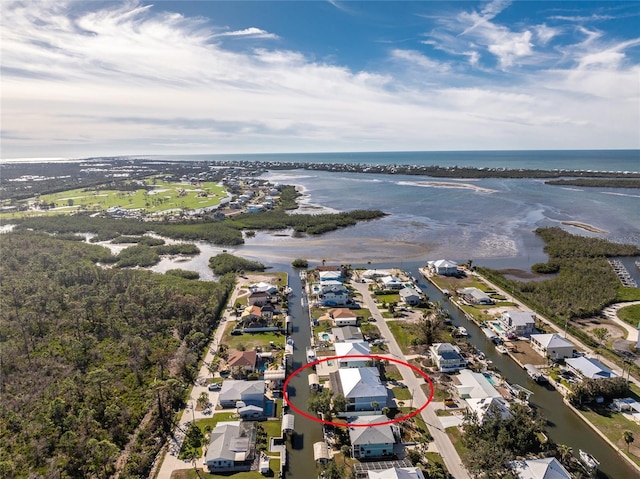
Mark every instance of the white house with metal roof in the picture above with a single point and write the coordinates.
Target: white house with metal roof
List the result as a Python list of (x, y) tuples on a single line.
[(589, 368), (248, 392), (447, 357), (396, 473), (359, 348), (443, 267), (372, 441), (474, 385), (521, 323), (410, 296), (488, 407), (552, 346), (231, 446), (547, 468), (361, 387)]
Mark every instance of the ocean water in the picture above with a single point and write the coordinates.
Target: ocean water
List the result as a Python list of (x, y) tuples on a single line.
[(594, 160), (490, 221)]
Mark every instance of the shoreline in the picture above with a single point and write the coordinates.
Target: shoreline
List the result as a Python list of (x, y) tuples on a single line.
[(584, 226)]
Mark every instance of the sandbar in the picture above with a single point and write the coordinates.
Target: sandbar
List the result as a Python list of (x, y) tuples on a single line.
[(584, 226)]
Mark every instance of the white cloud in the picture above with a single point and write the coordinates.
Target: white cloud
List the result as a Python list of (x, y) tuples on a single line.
[(126, 79), (251, 32), (545, 34)]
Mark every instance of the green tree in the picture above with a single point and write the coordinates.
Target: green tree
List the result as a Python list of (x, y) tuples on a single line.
[(628, 438), (339, 403)]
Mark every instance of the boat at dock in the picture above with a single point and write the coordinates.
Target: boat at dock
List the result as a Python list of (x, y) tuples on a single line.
[(489, 333), (501, 348), (588, 460), (534, 373), (460, 331), (311, 355)]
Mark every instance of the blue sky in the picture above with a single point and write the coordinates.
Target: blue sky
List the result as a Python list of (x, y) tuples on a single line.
[(97, 78)]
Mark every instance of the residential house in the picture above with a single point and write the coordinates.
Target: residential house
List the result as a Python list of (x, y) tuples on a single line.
[(475, 296), (589, 368), (231, 447), (267, 311), (443, 267), (447, 357), (258, 298), (488, 406), (360, 348), (251, 413), (343, 317), (375, 273), (251, 315), (263, 287), (521, 323), (248, 392), (552, 346), (391, 282), (242, 359), (347, 333), (372, 441), (331, 285), (396, 473), (332, 275), (547, 468), (474, 385), (410, 296), (361, 387), (334, 296)]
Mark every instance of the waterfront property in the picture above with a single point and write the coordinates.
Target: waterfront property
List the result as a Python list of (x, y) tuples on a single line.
[(475, 296), (443, 267), (347, 333), (361, 387), (552, 346), (391, 282), (548, 467), (247, 392), (589, 368), (487, 407), (396, 473), (447, 357), (360, 348), (474, 385), (520, 323), (231, 447), (342, 317), (372, 441), (245, 360)]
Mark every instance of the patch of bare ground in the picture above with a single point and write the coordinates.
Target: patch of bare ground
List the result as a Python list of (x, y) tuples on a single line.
[(524, 353), (614, 331)]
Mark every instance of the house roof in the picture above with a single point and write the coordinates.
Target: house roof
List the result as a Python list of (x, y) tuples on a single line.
[(353, 349), (547, 468), (341, 313), (446, 351), (475, 385), (347, 333), (242, 358), (396, 473), (361, 383), (326, 275), (520, 318), (551, 341), (589, 367), (405, 292), (250, 408), (371, 434), (390, 280), (263, 287), (482, 406), (226, 442), (444, 263), (252, 311), (320, 450), (371, 273), (234, 389)]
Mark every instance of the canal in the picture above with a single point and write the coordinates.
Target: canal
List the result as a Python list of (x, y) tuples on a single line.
[(300, 451), (563, 425)]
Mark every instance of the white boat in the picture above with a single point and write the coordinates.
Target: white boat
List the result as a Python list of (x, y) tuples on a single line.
[(311, 355), (289, 340), (287, 290), (501, 349), (588, 460), (460, 331), (534, 373), (489, 333)]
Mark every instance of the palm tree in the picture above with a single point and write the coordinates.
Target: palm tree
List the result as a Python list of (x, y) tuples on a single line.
[(628, 438), (566, 453)]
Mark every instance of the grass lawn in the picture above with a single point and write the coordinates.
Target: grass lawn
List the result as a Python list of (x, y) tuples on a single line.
[(404, 334), (630, 314), (274, 464), (215, 419), (251, 340), (369, 329), (272, 428), (401, 394), (165, 196), (392, 373), (455, 435), (613, 424), (628, 294), (387, 298), (435, 458)]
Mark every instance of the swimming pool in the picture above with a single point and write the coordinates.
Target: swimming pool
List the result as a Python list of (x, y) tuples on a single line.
[(497, 326), (325, 336), (489, 378)]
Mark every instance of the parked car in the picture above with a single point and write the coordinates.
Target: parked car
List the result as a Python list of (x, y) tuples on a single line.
[(214, 386), (236, 332)]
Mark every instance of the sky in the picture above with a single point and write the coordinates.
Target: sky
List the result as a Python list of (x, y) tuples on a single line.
[(105, 78)]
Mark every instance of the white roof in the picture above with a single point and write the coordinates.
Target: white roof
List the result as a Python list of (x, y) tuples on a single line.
[(396, 473), (371, 434), (361, 382), (551, 341), (320, 450), (234, 389), (590, 368), (481, 407), (263, 287), (475, 385), (547, 468), (521, 318), (354, 348), (371, 273), (225, 443), (288, 421), (329, 275), (408, 292), (390, 280), (444, 263)]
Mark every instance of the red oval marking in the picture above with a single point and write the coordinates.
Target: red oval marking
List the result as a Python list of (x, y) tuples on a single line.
[(285, 395)]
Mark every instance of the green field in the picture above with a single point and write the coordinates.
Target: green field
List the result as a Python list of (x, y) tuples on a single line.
[(164, 196)]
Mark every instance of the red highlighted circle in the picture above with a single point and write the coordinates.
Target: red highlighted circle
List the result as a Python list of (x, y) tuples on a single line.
[(285, 395)]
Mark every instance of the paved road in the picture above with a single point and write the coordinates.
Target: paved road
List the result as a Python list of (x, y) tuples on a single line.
[(440, 437)]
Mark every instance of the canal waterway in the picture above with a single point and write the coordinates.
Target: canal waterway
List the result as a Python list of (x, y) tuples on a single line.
[(300, 451), (563, 425)]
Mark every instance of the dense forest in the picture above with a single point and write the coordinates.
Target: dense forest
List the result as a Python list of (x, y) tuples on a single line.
[(582, 281), (94, 361), (220, 232), (596, 182)]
